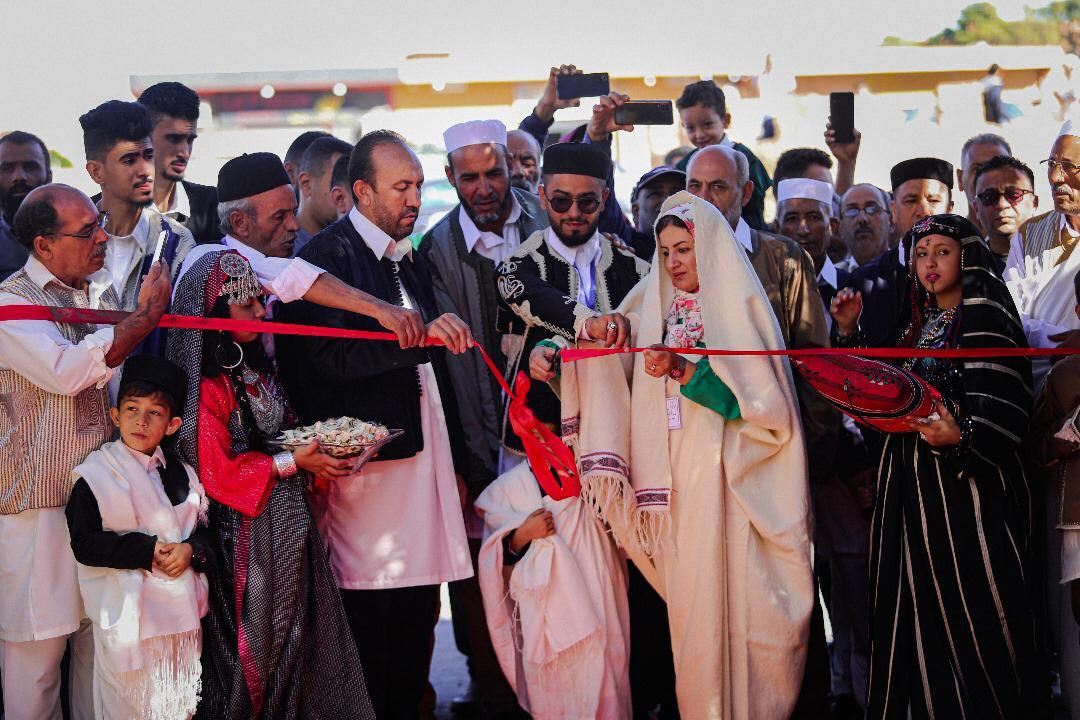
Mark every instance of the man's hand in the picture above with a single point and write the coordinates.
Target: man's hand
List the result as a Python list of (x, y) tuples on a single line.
[(539, 524), (549, 102), (843, 152), (407, 324), (451, 331), (155, 293), (542, 363), (602, 123), (613, 330), (175, 558)]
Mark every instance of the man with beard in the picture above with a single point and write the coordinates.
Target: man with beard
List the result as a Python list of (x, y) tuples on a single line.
[(524, 160), (567, 279), (54, 401), (24, 165), (316, 209), (257, 214), (463, 251), (174, 108), (865, 223), (1005, 199), (120, 159), (394, 529), (921, 187)]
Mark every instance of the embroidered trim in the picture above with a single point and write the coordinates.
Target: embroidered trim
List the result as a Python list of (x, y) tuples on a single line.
[(570, 426), (653, 497), (604, 461)]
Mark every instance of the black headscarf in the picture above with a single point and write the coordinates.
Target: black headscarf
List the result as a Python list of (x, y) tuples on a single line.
[(996, 389)]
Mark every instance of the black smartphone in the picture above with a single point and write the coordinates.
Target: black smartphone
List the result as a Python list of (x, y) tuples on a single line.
[(842, 116), (645, 112), (569, 87)]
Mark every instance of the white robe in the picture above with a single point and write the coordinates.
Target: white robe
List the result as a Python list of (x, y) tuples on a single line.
[(558, 618), (1044, 295)]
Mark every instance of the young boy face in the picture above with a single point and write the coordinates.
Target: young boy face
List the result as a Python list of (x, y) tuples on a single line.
[(144, 421), (703, 125)]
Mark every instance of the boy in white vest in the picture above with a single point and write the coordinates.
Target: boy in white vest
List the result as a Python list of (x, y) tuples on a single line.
[(137, 519)]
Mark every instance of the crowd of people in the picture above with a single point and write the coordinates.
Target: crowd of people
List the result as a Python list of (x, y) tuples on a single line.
[(159, 544)]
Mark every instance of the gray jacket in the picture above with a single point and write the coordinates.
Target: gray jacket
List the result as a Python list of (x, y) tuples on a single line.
[(465, 284)]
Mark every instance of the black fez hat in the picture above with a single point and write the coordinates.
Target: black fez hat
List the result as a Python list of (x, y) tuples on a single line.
[(250, 174), (924, 168), (159, 373), (576, 159)]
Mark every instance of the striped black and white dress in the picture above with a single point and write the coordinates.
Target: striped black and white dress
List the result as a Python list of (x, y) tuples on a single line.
[(953, 632)]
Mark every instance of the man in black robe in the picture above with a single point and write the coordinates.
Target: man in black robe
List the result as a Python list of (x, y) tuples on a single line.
[(567, 279), (390, 585)]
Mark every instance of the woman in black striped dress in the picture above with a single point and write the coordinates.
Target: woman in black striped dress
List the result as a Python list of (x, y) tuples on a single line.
[(952, 627)]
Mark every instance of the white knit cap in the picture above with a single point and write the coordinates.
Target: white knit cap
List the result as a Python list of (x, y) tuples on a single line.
[(804, 188), (474, 132)]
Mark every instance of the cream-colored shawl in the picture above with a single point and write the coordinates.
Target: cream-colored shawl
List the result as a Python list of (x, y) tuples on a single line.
[(730, 551)]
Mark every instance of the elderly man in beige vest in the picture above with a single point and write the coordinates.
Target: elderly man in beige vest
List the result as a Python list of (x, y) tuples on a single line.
[(54, 402)]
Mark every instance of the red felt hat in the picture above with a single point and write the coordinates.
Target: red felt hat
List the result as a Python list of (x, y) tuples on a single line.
[(875, 393)]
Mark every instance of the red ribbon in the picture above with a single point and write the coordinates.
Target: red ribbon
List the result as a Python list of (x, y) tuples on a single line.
[(551, 460), (574, 354)]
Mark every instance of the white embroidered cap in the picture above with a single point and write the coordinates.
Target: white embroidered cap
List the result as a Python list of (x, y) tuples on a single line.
[(804, 188), (474, 132)]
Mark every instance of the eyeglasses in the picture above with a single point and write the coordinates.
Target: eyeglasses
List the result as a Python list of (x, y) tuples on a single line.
[(990, 198), (871, 210), (102, 221), (1067, 167), (587, 204)]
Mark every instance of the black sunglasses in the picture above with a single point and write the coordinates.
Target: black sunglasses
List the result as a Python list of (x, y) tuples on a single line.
[(990, 198), (587, 204)]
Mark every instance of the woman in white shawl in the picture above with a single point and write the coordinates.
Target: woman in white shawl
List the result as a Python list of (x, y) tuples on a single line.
[(714, 505)]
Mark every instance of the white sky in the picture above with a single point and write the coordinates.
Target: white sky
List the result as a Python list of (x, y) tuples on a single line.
[(62, 58)]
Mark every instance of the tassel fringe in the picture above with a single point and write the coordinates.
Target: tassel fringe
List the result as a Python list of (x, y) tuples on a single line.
[(610, 498), (652, 531), (169, 685)]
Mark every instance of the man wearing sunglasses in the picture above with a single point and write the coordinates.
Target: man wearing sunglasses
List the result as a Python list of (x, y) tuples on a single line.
[(54, 398), (1004, 200), (565, 280)]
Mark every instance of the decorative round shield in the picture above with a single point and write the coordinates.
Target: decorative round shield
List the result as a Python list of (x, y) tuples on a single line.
[(875, 393)]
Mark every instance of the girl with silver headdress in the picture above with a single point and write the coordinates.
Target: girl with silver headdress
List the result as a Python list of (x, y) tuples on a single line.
[(276, 643)]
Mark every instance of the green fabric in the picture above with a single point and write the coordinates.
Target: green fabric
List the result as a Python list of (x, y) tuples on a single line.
[(710, 391)]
